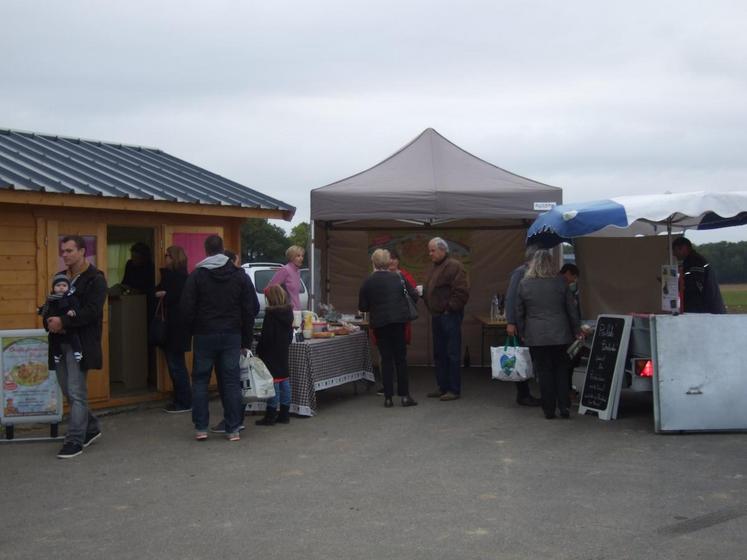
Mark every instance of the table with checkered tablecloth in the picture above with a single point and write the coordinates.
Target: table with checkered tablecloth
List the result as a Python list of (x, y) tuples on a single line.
[(322, 363)]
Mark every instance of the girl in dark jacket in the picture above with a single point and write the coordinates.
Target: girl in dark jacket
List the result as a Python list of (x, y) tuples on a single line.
[(178, 339), (273, 349)]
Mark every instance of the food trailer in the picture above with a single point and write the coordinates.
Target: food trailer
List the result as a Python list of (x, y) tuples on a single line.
[(696, 363)]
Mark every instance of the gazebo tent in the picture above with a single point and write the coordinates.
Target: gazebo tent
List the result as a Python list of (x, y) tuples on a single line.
[(430, 187)]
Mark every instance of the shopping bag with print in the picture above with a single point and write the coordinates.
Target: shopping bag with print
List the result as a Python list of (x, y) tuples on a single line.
[(256, 380), (511, 362)]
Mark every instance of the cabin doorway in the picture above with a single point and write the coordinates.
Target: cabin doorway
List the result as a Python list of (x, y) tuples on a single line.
[(131, 275)]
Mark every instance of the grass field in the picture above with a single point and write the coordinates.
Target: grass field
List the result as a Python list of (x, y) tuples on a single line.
[(735, 297)]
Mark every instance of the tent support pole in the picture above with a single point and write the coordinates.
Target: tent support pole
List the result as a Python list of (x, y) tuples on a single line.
[(312, 266)]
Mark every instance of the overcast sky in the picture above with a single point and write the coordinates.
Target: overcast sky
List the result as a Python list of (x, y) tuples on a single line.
[(602, 99)]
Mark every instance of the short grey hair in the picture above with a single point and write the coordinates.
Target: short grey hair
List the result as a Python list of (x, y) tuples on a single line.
[(441, 244), (541, 265)]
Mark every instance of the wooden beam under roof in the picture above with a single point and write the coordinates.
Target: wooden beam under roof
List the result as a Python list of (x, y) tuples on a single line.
[(135, 205)]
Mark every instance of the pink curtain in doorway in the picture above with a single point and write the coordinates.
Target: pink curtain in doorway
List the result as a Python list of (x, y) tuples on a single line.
[(193, 245)]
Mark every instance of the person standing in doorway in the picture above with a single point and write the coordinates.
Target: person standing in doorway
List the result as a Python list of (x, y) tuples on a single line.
[(89, 285), (216, 307), (446, 291), (178, 339), (523, 396)]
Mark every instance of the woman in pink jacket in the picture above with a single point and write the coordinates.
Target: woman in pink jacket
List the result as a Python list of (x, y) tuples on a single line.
[(288, 276)]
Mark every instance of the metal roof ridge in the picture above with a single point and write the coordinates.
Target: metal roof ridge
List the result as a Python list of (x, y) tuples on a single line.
[(75, 139)]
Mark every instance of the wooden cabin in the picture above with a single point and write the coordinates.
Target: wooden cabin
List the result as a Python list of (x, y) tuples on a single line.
[(114, 196)]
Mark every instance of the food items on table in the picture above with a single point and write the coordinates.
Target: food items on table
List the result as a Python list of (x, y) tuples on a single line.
[(323, 334)]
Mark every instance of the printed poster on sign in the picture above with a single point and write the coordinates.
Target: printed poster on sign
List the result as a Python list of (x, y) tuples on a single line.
[(670, 297), (29, 390)]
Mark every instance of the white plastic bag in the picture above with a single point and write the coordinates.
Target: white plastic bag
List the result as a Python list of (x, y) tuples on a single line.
[(256, 380), (511, 362)]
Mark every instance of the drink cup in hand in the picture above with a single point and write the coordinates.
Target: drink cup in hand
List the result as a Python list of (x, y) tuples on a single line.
[(419, 289)]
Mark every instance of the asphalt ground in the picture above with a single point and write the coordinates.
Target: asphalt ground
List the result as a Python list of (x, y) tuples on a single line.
[(475, 478)]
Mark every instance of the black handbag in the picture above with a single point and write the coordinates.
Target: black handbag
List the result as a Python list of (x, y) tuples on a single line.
[(157, 330), (412, 310)]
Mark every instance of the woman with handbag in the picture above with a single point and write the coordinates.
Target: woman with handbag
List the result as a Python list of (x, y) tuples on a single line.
[(177, 340), (390, 302), (547, 319), (273, 349)]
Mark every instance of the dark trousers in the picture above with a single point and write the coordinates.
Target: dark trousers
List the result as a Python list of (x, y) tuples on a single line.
[(551, 369), (522, 389), (179, 378), (447, 351), (393, 349)]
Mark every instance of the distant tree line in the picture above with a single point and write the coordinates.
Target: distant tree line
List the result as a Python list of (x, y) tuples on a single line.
[(729, 260), (262, 241)]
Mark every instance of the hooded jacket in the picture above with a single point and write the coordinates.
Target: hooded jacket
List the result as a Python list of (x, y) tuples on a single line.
[(218, 297)]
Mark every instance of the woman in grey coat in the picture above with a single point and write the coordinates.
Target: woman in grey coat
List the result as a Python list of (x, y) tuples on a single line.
[(548, 321)]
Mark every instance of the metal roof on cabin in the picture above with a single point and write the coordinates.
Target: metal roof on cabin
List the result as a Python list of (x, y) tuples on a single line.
[(55, 164)]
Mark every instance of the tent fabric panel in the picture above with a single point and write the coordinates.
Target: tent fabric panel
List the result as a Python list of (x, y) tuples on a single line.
[(620, 275), (493, 254)]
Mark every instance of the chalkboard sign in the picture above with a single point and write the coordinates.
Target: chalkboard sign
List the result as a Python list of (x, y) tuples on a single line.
[(606, 365)]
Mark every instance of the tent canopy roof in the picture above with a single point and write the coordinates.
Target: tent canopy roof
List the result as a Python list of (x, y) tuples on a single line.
[(431, 180)]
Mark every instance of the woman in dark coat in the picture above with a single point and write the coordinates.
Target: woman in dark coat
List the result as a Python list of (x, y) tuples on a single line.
[(548, 321), (178, 339), (383, 296)]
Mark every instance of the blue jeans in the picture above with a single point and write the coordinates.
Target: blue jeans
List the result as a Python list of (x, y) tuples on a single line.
[(447, 351), (221, 350), (72, 380), (282, 394), (180, 378)]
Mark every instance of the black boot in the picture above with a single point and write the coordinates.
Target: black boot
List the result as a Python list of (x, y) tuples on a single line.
[(269, 418), (284, 415)]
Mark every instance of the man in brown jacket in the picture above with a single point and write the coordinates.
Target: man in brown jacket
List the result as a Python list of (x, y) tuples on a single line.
[(446, 291)]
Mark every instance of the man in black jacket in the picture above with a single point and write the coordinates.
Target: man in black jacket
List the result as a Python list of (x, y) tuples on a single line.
[(218, 309), (702, 293), (89, 286)]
